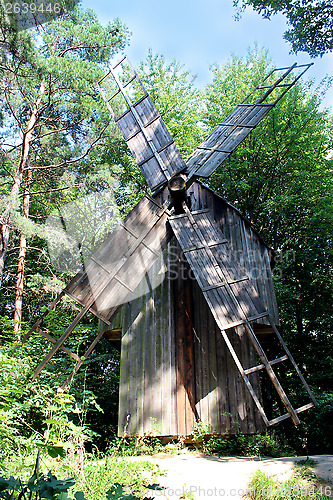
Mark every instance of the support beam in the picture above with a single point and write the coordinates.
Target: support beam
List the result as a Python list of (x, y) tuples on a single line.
[(39, 321), (62, 348), (88, 351), (293, 362), (61, 340)]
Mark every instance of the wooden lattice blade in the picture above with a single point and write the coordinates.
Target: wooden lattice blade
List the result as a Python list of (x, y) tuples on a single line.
[(146, 134), (240, 122), (230, 295), (227, 289), (225, 138), (112, 274)]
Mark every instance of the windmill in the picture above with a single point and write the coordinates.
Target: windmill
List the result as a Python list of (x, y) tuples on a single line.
[(193, 353)]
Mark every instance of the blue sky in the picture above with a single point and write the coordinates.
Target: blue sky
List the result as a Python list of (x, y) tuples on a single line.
[(202, 32)]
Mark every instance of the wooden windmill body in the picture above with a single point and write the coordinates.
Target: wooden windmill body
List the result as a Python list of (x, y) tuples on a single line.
[(187, 282)]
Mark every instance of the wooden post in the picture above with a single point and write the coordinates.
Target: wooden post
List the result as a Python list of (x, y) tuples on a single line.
[(293, 362)]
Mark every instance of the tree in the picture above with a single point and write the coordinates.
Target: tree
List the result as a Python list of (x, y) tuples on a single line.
[(50, 106), (310, 21), (178, 101)]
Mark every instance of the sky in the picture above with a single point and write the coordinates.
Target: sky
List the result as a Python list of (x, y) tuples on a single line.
[(199, 33)]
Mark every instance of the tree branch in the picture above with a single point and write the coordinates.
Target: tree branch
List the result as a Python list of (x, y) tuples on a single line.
[(82, 46), (70, 162), (13, 112), (46, 191), (56, 130), (8, 172)]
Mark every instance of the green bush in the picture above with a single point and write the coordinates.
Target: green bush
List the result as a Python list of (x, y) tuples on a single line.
[(101, 475), (51, 488), (135, 446), (39, 487), (239, 444)]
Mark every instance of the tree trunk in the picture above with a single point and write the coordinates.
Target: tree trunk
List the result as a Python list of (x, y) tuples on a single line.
[(21, 262), (27, 138)]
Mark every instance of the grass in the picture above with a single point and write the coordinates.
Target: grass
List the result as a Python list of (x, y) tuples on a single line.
[(94, 476), (100, 475), (142, 445), (303, 485), (97, 474)]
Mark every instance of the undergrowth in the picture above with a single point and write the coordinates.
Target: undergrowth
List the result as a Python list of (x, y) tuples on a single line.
[(260, 444), (303, 485), (100, 476), (142, 445), (94, 479)]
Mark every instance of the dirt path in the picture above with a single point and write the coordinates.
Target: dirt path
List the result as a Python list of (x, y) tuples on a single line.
[(200, 477)]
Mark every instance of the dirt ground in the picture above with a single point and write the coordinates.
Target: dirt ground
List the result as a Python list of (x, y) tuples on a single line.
[(200, 477)]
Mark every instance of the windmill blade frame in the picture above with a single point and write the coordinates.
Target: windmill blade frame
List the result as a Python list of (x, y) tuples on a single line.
[(144, 131), (224, 139), (108, 280)]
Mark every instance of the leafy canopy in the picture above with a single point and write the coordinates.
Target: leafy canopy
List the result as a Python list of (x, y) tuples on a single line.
[(310, 21)]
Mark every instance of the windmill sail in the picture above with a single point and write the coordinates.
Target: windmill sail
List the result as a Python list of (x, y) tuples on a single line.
[(219, 276), (115, 270), (145, 132), (238, 124), (112, 274)]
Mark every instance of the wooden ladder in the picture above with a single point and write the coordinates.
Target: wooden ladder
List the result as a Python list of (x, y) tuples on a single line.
[(267, 365)]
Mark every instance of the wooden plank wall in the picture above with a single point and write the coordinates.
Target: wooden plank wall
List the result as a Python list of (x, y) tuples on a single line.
[(147, 398), (175, 366)]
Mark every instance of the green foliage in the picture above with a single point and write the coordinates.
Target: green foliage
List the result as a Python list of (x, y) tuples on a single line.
[(121, 475), (41, 414), (303, 485), (140, 445), (178, 101), (310, 21), (260, 444), (99, 483), (42, 487), (50, 78), (314, 435)]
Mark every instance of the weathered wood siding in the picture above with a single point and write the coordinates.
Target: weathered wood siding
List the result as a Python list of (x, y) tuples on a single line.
[(175, 366), (147, 395)]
